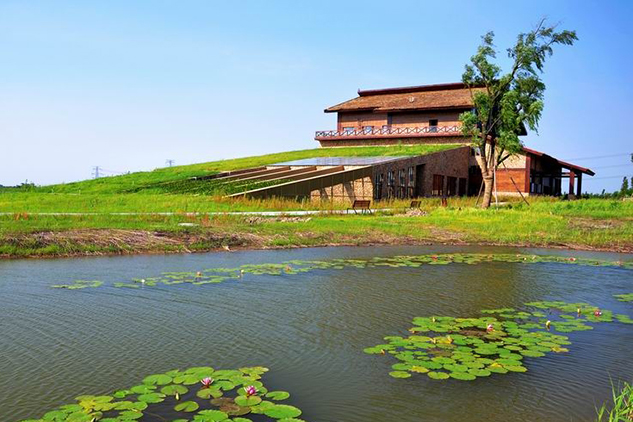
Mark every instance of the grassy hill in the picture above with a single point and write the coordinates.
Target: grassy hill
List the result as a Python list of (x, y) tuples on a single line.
[(153, 180), (171, 189)]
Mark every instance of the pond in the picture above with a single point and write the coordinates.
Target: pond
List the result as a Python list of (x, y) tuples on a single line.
[(309, 329)]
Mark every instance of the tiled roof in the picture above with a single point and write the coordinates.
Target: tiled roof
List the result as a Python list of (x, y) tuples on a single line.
[(426, 97)]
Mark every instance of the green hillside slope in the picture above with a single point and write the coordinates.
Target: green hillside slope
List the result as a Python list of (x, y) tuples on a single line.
[(154, 181)]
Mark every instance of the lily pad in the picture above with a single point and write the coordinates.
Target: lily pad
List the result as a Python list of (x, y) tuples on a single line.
[(281, 411), (213, 415), (278, 395), (400, 374), (172, 390), (187, 406), (158, 379), (438, 375), (247, 401)]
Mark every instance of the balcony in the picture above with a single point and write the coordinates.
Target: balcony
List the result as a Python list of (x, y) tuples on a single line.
[(392, 132)]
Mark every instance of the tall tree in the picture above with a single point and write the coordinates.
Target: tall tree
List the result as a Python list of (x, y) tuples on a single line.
[(506, 103), (624, 190)]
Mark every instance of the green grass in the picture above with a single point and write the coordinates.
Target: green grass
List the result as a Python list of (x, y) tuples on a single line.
[(24, 231), (583, 224), (621, 410)]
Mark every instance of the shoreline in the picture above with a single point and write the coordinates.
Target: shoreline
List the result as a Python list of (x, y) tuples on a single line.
[(183, 248)]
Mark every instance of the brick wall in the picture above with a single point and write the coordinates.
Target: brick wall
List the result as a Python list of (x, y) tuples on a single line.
[(412, 119), (504, 184), (430, 139), (453, 163), (421, 119), (358, 120)]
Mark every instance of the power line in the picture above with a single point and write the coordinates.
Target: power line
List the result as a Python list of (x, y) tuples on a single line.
[(112, 171), (613, 166), (95, 172), (590, 179), (598, 157)]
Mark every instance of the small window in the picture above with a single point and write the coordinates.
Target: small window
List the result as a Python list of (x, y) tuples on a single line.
[(401, 178), (385, 128), (348, 130), (368, 129), (433, 125), (411, 176)]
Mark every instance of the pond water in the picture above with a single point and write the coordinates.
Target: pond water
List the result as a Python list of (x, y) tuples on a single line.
[(310, 329)]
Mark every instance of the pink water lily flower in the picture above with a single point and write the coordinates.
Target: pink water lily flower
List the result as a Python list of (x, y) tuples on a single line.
[(206, 382), (250, 390), (597, 313), (490, 328)]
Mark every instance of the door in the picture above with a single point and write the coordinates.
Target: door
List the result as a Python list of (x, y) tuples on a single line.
[(419, 180)]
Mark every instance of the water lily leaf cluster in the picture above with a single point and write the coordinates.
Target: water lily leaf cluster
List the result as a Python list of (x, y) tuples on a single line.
[(498, 342), (626, 297), (218, 275), (200, 394), (79, 284)]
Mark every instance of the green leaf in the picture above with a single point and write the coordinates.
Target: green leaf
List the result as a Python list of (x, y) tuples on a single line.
[(463, 376), (278, 395), (213, 415), (400, 374), (171, 390), (187, 406), (247, 401), (438, 375), (151, 397), (280, 411), (158, 379)]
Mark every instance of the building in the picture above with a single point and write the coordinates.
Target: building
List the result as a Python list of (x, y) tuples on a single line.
[(442, 173), (429, 114), (426, 114)]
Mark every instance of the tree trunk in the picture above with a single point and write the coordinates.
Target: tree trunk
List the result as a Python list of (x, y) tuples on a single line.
[(487, 173), (488, 185)]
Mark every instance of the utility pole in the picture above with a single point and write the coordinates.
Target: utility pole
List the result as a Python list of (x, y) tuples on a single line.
[(170, 162), (95, 172)]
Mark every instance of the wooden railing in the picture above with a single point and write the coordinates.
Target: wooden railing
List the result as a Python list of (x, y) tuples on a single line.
[(390, 132)]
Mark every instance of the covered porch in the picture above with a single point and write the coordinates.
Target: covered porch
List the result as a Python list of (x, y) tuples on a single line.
[(547, 175)]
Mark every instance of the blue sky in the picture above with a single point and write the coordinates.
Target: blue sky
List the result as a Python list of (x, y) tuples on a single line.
[(126, 85)]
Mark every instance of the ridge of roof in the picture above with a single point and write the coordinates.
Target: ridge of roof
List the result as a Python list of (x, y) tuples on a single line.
[(418, 88), (561, 162)]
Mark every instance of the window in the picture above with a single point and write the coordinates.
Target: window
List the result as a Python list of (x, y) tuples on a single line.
[(433, 125), (348, 130), (368, 129), (451, 186), (378, 181), (411, 177), (402, 180), (385, 128), (438, 185), (391, 181)]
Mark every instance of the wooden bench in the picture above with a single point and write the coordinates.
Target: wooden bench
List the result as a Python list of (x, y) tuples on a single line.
[(415, 204), (361, 204)]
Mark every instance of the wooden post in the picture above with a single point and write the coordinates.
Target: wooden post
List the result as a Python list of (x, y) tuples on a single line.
[(579, 190), (571, 183)]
